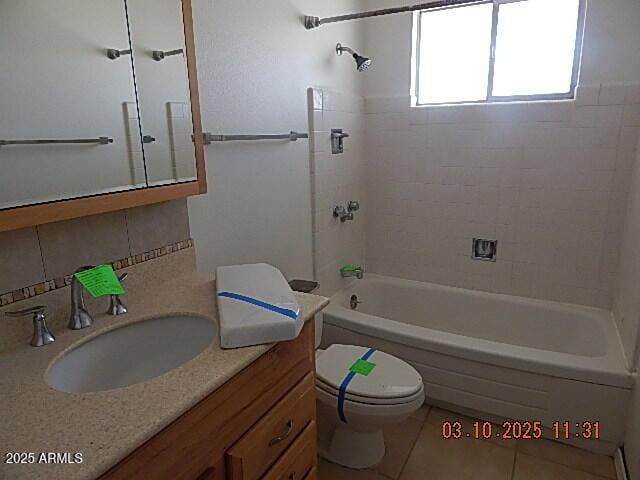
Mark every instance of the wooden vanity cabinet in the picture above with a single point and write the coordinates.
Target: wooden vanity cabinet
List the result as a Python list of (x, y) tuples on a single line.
[(261, 424)]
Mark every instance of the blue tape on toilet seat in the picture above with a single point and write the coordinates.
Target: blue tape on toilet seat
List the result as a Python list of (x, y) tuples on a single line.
[(259, 303), (345, 383)]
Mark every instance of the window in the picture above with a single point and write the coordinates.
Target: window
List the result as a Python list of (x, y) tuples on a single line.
[(496, 51)]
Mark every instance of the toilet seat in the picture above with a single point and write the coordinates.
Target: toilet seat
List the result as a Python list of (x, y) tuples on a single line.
[(368, 400), (392, 382)]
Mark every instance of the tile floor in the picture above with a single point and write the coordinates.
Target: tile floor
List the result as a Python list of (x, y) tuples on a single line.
[(417, 451)]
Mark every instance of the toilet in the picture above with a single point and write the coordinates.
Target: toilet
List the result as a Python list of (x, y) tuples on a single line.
[(353, 408)]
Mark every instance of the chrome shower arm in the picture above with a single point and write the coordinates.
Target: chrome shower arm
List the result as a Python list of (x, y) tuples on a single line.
[(340, 49)]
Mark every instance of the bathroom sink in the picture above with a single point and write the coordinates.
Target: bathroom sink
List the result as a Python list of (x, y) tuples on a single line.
[(131, 354)]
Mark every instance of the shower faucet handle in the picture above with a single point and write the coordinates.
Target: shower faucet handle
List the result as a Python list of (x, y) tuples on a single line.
[(353, 206), (337, 140), (339, 134)]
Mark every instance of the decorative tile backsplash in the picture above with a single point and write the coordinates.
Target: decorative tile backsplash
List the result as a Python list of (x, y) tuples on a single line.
[(61, 282), (37, 259)]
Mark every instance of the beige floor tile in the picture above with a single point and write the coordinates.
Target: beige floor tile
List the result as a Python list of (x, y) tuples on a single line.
[(423, 413), (399, 441), (533, 468), (437, 416), (331, 471), (435, 458), (570, 456)]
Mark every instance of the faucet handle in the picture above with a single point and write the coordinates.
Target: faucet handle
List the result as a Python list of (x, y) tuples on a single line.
[(353, 206), (79, 317), (116, 307), (41, 334), (39, 310)]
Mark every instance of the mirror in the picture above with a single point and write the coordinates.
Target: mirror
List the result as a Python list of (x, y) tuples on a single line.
[(94, 99), (163, 89)]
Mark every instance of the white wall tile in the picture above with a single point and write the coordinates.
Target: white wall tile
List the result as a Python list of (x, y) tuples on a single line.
[(632, 94), (612, 94), (587, 95), (553, 174), (631, 115), (337, 179)]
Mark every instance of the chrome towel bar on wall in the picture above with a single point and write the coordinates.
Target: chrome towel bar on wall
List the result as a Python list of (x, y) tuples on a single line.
[(210, 138), (97, 141)]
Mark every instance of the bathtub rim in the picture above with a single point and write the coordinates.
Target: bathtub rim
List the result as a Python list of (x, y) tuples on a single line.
[(611, 369)]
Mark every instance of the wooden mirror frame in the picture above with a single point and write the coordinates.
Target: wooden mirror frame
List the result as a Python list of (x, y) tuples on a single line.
[(39, 214)]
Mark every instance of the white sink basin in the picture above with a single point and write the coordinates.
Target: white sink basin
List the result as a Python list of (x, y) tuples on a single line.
[(131, 354)]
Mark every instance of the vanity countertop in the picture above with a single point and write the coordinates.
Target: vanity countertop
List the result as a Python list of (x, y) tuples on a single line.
[(107, 426)]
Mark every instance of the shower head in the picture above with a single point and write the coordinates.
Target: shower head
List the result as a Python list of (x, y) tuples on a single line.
[(362, 63)]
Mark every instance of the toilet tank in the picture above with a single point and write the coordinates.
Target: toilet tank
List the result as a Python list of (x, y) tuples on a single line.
[(318, 325)]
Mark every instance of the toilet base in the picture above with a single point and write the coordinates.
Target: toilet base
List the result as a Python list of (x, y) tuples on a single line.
[(354, 449)]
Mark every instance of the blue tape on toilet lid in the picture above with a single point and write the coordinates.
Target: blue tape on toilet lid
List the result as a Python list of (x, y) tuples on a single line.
[(392, 378), (345, 383)]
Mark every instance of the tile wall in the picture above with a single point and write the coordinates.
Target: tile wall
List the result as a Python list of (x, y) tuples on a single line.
[(34, 255), (626, 305), (548, 180), (626, 310), (335, 180)]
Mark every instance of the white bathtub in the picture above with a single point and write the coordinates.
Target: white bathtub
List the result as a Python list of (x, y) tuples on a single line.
[(502, 356)]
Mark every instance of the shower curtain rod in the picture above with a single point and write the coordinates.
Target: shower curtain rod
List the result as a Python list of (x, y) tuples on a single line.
[(311, 22)]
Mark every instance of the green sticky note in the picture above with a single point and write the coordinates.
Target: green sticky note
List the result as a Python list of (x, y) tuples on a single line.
[(100, 281), (362, 367)]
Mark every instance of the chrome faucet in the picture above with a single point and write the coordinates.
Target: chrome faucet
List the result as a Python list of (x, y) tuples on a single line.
[(41, 334), (341, 213), (348, 213), (352, 271), (80, 317), (116, 307)]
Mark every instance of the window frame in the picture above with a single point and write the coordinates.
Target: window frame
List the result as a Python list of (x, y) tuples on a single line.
[(417, 56)]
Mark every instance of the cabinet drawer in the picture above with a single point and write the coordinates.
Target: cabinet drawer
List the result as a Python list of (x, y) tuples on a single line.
[(298, 460), (261, 446), (213, 473)]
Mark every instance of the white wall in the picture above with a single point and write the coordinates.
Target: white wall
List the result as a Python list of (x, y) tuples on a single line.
[(256, 61), (611, 53)]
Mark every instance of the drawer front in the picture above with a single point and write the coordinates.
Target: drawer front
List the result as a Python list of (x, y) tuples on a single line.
[(312, 475), (261, 446), (213, 473), (298, 460)]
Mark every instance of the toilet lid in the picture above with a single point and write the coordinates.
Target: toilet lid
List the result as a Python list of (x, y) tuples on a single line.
[(391, 378)]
